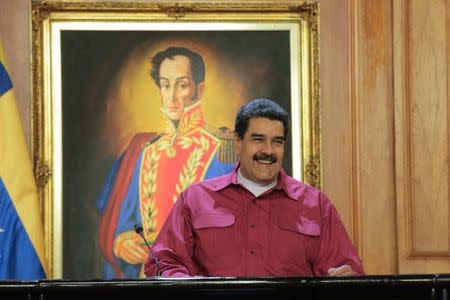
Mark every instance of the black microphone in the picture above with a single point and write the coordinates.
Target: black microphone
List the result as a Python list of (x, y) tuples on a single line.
[(139, 230)]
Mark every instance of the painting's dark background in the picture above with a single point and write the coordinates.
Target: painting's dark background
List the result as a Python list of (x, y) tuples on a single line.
[(90, 60)]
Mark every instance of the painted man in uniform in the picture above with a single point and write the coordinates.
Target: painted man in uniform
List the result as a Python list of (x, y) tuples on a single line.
[(148, 177)]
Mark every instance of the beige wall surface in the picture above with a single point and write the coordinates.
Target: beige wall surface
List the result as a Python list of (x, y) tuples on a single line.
[(385, 81), (15, 33)]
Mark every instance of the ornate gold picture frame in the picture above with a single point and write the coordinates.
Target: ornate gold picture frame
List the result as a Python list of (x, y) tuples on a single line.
[(90, 94)]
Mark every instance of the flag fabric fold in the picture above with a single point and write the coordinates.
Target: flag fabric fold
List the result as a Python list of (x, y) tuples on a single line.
[(22, 255)]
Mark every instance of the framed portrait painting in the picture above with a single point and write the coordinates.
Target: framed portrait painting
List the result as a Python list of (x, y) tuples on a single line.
[(135, 101)]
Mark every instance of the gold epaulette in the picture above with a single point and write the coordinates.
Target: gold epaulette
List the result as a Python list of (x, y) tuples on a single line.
[(226, 152)]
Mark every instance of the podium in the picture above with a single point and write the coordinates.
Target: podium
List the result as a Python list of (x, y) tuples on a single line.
[(430, 287)]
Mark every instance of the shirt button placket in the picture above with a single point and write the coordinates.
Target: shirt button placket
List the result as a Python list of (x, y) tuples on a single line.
[(252, 242)]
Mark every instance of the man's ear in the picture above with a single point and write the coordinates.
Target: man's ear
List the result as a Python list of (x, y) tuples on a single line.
[(200, 90)]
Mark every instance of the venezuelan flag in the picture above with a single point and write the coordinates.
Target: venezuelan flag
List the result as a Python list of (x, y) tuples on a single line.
[(22, 254)]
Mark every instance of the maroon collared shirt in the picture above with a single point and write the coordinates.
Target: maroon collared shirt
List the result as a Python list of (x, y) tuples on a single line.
[(218, 228)]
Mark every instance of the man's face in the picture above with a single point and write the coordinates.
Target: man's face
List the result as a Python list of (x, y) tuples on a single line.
[(261, 150), (177, 87)]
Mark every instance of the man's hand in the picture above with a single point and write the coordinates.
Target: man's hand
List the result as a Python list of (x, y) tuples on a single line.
[(129, 247), (344, 270)]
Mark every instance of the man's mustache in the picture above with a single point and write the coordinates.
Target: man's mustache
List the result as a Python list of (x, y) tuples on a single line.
[(269, 157)]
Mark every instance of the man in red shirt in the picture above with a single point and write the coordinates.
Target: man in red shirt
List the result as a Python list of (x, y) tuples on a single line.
[(255, 221)]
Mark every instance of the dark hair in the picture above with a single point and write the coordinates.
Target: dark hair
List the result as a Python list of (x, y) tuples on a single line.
[(260, 108), (197, 64)]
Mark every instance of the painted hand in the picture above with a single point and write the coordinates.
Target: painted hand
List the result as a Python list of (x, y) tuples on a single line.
[(129, 247)]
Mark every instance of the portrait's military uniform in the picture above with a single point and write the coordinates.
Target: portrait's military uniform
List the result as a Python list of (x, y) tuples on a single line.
[(152, 173)]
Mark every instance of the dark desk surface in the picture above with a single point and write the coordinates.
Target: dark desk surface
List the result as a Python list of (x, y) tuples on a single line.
[(429, 286)]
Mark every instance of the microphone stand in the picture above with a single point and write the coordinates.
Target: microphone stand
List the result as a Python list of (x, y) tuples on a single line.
[(139, 230)]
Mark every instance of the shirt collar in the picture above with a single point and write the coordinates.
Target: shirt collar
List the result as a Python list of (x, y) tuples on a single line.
[(283, 182)]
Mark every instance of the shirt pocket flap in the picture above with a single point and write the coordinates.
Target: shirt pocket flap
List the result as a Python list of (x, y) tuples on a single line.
[(301, 225), (213, 220)]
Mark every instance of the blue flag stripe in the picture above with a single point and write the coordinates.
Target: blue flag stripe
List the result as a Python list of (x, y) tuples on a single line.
[(18, 258), (5, 81)]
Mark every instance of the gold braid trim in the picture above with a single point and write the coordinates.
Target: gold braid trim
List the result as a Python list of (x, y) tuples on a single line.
[(149, 188), (190, 122), (189, 170)]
